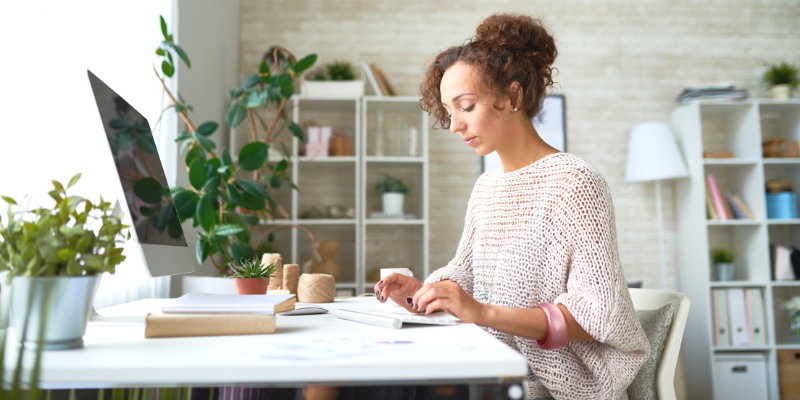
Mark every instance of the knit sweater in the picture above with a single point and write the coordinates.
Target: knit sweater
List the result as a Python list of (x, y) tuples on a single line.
[(545, 233)]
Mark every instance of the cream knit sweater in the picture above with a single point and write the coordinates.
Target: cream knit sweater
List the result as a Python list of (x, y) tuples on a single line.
[(550, 228)]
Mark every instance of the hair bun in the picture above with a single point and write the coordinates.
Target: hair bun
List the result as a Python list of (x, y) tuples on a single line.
[(520, 34)]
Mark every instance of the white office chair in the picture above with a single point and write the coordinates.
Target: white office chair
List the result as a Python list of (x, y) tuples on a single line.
[(650, 299)]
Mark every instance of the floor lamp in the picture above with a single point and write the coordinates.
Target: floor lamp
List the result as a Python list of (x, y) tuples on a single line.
[(653, 155)]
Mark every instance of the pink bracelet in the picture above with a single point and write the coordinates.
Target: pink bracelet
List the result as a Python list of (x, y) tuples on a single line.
[(556, 327)]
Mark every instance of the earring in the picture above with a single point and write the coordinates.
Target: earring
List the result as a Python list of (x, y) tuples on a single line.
[(515, 109)]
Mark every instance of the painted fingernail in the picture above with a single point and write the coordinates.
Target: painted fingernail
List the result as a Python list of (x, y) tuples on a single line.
[(378, 293), (410, 300), (416, 307), (425, 311), (381, 282)]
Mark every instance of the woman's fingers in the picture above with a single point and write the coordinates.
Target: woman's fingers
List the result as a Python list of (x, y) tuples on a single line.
[(436, 305), (434, 292), (383, 288)]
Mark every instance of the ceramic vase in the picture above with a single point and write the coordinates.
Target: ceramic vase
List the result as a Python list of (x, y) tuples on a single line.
[(781, 92), (251, 285), (62, 303), (393, 203)]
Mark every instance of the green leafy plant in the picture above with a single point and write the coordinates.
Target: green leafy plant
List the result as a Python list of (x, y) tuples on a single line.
[(224, 201), (59, 241), (391, 184), (252, 268), (781, 74), (723, 255), (336, 71)]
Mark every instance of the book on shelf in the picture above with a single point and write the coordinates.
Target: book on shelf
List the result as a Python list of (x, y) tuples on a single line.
[(728, 211), (723, 205), (715, 196), (735, 209), (366, 69), (738, 317), (742, 206), (711, 211), (379, 78)]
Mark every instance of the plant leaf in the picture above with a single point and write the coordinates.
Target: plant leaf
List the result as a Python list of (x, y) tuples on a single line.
[(297, 131), (167, 68), (185, 203), (253, 99), (229, 229), (182, 55), (119, 123), (281, 166), (251, 202), (74, 180), (240, 250), (206, 214), (198, 174), (160, 52), (196, 153), (253, 188), (148, 189), (253, 156), (263, 71), (251, 81), (207, 144), (58, 185), (226, 157), (275, 181), (305, 63), (233, 195), (202, 250), (235, 93), (8, 200), (147, 143), (124, 139), (235, 114), (163, 27), (212, 184), (163, 219), (207, 128)]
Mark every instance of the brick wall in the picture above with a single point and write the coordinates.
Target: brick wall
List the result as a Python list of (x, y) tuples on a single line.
[(620, 63)]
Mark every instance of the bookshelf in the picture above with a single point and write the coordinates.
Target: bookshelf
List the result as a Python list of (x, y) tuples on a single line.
[(347, 181), (739, 127)]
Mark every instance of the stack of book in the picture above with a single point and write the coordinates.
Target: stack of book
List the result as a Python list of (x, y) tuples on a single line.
[(724, 90), (738, 316), (378, 81), (722, 205), (204, 314)]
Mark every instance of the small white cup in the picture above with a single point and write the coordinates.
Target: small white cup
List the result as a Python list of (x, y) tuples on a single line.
[(388, 271)]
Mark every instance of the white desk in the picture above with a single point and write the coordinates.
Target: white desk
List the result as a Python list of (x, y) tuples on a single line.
[(120, 356)]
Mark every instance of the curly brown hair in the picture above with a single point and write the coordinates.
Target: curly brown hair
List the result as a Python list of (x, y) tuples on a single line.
[(506, 48)]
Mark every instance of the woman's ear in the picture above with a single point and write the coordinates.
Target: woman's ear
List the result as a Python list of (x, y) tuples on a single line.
[(515, 95)]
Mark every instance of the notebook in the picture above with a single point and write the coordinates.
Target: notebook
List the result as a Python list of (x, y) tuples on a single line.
[(206, 303)]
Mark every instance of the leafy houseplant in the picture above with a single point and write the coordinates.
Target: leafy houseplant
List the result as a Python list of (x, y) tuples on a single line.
[(782, 79), (222, 201), (393, 191), (723, 263), (252, 277), (793, 307), (64, 249)]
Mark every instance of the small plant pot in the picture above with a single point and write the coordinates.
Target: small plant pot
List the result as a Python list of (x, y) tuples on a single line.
[(781, 92), (724, 271), (393, 203), (65, 313), (251, 285)]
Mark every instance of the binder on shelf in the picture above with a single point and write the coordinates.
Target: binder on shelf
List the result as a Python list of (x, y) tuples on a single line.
[(712, 213), (715, 317), (737, 315), (724, 331), (714, 189), (759, 333), (749, 314)]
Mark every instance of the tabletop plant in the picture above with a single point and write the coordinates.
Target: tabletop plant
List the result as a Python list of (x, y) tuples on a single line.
[(723, 255), (60, 241), (391, 184), (335, 71), (224, 202), (251, 268), (781, 74)]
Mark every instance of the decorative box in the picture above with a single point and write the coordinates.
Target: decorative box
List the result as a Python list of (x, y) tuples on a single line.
[(782, 205), (316, 150)]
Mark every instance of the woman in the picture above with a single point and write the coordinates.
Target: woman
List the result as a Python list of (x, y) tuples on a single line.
[(537, 265)]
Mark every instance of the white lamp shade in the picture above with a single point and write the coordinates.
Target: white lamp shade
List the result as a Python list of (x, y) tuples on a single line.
[(653, 154)]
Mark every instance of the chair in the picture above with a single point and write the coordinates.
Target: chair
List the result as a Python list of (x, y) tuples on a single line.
[(650, 299)]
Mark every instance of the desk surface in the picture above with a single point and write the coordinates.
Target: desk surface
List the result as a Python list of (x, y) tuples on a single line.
[(303, 349)]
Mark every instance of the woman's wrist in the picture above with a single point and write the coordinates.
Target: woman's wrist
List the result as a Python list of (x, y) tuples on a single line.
[(485, 315)]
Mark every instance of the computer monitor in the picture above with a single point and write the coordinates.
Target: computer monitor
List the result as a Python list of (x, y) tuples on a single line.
[(157, 227)]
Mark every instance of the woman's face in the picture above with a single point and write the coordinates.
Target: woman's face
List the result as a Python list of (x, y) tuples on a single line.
[(473, 118)]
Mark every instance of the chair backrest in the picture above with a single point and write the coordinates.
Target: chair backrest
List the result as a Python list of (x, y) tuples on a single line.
[(651, 299)]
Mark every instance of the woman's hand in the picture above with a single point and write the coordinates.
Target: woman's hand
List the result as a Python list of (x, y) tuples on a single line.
[(448, 296), (399, 288)]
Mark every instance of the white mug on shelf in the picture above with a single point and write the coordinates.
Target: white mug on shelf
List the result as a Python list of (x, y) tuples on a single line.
[(388, 271)]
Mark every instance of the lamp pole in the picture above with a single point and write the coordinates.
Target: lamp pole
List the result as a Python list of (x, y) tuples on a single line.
[(660, 223)]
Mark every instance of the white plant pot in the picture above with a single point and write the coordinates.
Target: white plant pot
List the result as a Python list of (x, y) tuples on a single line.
[(781, 92), (332, 89), (393, 203)]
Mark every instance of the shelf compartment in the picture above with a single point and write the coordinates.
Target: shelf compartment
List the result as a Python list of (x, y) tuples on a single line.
[(780, 121), (746, 181), (340, 115), (730, 127), (394, 127), (405, 251), (783, 335), (345, 257), (748, 241), (410, 174), (323, 186)]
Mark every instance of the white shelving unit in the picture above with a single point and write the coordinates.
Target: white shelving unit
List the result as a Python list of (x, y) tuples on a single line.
[(739, 127), (365, 243)]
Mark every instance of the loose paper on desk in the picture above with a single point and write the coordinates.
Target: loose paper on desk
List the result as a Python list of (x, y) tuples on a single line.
[(206, 303)]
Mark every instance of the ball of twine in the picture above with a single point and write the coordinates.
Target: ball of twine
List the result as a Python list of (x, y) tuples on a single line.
[(316, 288), (274, 258), (291, 276)]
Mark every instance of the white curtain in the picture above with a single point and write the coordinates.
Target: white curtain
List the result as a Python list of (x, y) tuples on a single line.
[(51, 127)]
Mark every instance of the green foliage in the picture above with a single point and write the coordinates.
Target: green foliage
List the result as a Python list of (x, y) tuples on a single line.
[(391, 184), (60, 241), (251, 268), (221, 202), (781, 74), (723, 255), (335, 71)]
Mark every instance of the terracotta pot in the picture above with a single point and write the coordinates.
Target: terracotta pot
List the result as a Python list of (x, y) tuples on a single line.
[(252, 285)]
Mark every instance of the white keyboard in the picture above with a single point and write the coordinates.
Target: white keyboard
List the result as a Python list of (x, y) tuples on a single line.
[(389, 319)]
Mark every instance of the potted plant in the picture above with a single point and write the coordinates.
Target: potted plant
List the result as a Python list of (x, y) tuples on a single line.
[(61, 251), (336, 80), (793, 307), (782, 79), (228, 197), (723, 263), (394, 192), (251, 276)]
